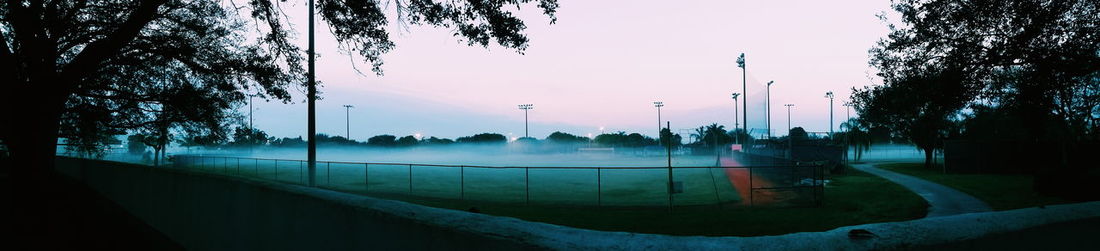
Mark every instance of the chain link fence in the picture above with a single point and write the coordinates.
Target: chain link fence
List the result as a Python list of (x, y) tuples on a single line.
[(783, 185)]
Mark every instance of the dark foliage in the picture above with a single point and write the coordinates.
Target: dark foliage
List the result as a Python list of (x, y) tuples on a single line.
[(483, 138)]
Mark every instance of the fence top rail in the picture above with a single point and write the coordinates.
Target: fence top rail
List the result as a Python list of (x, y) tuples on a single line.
[(505, 167)]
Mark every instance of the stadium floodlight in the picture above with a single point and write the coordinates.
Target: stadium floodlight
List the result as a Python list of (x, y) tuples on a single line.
[(790, 139), (526, 107), (744, 89), (847, 129), (768, 107), (347, 121), (658, 104), (736, 122), (829, 95)]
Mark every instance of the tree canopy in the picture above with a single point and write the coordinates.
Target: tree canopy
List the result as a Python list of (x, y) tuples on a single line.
[(1038, 61), (103, 67)]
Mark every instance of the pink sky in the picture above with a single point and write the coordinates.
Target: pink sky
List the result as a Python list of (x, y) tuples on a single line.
[(603, 64)]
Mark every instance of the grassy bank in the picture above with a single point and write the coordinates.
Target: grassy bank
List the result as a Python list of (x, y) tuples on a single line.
[(1000, 191), (855, 198)]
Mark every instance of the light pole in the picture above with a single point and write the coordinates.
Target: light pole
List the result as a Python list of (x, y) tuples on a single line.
[(526, 107), (659, 104), (830, 96), (744, 101), (736, 123), (347, 121), (768, 106), (311, 95), (848, 109), (847, 129), (790, 139), (250, 127)]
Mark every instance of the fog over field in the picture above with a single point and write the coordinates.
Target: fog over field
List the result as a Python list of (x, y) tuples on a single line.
[(493, 155)]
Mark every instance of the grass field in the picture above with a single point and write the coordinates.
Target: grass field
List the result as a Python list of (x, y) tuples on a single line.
[(534, 185), (1000, 191), (852, 199), (625, 200)]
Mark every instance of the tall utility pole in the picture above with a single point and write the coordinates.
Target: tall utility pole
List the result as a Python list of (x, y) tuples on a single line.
[(659, 104), (526, 107), (830, 96), (347, 121), (847, 129), (251, 128), (848, 109), (769, 107), (790, 140), (669, 149), (744, 101), (311, 95), (736, 124)]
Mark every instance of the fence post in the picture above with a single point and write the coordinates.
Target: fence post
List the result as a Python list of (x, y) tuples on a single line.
[(301, 173), (713, 182), (238, 165), (366, 177), (599, 187), (462, 182), (410, 179), (751, 192), (328, 173), (821, 199), (256, 166), (276, 170), (527, 184)]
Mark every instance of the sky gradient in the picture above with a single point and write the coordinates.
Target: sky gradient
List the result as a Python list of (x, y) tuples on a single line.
[(601, 65)]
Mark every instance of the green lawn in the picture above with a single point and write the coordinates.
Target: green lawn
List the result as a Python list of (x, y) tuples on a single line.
[(852, 199), (568, 197), (1000, 191)]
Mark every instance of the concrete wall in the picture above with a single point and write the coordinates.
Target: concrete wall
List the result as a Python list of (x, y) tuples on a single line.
[(209, 212)]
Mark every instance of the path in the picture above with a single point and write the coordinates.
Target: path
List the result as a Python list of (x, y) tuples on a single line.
[(942, 200), (739, 178)]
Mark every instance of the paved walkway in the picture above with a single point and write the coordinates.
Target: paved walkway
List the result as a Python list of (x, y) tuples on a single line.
[(942, 200)]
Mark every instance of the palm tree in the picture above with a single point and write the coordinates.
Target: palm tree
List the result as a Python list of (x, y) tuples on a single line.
[(699, 134), (714, 133), (858, 137)]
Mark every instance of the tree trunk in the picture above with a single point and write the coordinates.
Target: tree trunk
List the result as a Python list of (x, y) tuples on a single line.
[(32, 141), (929, 155), (156, 156)]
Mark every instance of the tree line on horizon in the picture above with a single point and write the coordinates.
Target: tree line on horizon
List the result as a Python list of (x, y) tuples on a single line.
[(703, 137)]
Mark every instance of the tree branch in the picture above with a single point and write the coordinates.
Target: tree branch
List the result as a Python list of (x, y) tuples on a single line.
[(98, 51)]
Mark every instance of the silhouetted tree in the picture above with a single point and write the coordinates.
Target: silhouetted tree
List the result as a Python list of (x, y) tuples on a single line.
[(118, 54), (621, 139), (733, 134), (325, 139), (716, 135), (203, 140), (289, 142), (407, 141), (798, 134), (436, 141), (855, 137), (135, 144), (483, 138), (1037, 59), (565, 138), (670, 139), (245, 136), (382, 140)]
